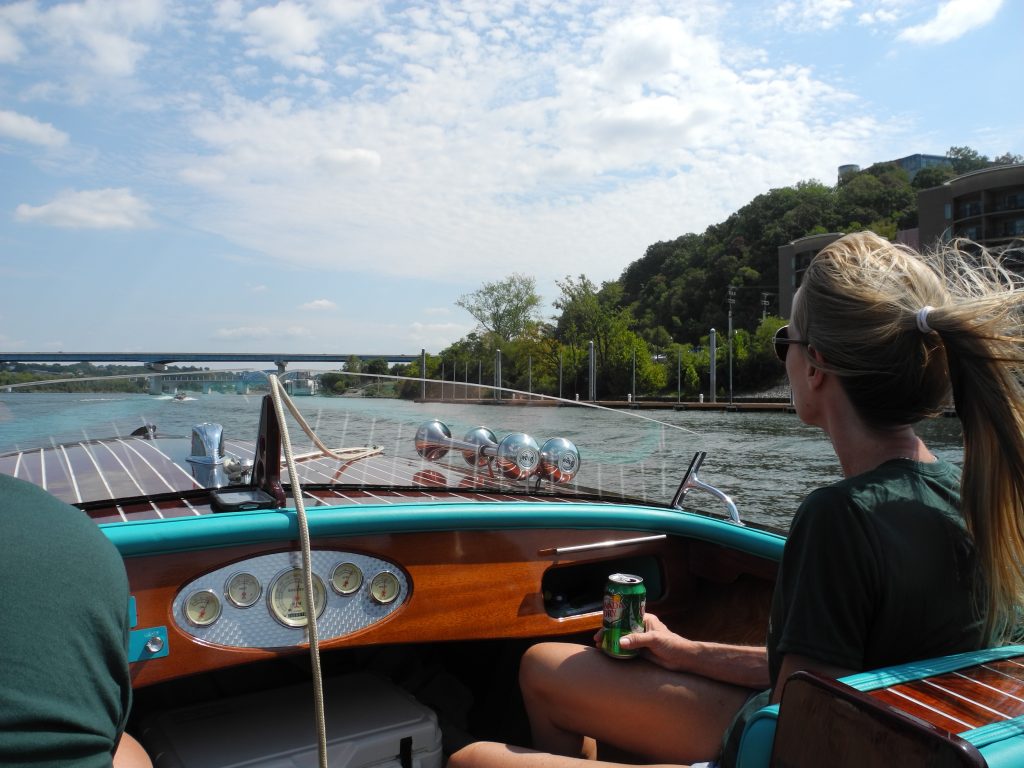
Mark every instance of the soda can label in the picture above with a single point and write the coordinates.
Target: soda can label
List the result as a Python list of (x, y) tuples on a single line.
[(625, 599)]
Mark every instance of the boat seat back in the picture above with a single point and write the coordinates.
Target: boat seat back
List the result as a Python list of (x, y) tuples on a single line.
[(973, 703), (822, 720)]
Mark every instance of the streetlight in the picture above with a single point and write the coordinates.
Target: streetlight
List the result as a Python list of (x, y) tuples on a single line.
[(731, 300)]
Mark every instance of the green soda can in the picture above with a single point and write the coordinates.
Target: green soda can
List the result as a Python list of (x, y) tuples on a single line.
[(625, 598)]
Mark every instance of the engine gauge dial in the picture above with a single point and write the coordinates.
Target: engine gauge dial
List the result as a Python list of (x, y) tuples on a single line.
[(346, 578), (243, 589), (384, 587), (287, 597), (202, 608)]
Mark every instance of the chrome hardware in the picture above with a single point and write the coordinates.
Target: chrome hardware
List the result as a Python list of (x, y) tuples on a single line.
[(610, 544), (559, 460), (433, 440), (155, 644), (207, 443), (691, 481), (482, 438), (517, 456)]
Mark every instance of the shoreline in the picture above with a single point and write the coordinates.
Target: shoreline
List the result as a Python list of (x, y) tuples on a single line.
[(782, 406)]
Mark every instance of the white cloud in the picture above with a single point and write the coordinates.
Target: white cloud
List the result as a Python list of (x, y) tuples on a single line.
[(89, 209), (319, 305), (30, 130), (953, 19), (11, 47), (478, 153), (805, 15), (243, 333), (100, 32), (284, 32), (349, 160)]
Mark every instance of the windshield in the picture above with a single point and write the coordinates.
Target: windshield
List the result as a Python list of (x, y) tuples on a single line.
[(79, 445)]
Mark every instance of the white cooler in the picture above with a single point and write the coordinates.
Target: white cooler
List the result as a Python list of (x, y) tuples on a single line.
[(370, 723)]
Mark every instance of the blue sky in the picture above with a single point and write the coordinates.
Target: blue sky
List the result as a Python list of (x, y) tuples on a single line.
[(331, 175)]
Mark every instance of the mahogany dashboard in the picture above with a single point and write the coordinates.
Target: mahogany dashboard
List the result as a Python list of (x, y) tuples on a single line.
[(261, 602)]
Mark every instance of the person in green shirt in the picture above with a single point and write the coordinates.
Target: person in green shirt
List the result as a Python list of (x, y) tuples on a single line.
[(65, 689), (907, 557)]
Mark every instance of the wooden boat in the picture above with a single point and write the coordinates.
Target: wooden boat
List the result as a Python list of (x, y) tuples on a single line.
[(432, 572)]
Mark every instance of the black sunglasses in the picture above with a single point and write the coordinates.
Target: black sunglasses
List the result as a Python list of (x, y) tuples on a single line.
[(782, 342)]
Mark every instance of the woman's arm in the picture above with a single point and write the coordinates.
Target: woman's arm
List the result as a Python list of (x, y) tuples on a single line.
[(741, 665)]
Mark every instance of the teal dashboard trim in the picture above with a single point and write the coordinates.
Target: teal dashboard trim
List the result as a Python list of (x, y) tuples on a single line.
[(145, 644), (225, 529)]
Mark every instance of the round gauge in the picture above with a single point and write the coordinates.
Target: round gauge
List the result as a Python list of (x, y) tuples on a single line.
[(243, 589), (202, 608), (287, 597), (346, 578), (384, 587)]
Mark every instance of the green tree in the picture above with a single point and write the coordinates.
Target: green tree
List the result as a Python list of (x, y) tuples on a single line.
[(966, 159), (933, 176), (505, 308)]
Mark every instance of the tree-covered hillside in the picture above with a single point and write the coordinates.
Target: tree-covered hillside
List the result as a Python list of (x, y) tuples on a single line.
[(651, 325)]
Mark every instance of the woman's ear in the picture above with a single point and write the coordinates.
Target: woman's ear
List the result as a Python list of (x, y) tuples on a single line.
[(815, 372)]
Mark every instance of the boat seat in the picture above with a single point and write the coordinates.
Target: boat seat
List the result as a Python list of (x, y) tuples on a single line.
[(960, 710), (822, 718)]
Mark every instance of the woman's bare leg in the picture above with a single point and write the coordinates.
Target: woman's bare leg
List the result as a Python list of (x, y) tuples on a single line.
[(573, 691)]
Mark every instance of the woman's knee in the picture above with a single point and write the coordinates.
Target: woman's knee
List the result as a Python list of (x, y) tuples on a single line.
[(541, 664)]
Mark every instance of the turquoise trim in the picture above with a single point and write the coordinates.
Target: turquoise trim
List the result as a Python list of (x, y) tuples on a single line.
[(154, 537), (133, 617), (915, 670), (994, 732), (757, 738), (1003, 754), (139, 638)]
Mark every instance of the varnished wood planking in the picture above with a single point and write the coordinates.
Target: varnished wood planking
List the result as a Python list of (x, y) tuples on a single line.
[(465, 585), (962, 700)]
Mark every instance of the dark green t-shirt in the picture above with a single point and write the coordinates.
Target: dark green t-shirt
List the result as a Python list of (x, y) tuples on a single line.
[(878, 569), (65, 689)]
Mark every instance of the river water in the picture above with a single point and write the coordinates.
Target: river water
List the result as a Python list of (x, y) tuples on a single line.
[(766, 462)]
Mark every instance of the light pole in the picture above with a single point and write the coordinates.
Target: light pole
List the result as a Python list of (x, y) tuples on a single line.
[(731, 300)]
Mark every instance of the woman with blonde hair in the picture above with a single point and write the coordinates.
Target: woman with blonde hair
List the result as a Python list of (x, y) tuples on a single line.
[(906, 557)]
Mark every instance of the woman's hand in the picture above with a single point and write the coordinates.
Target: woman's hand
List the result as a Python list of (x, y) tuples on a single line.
[(658, 644)]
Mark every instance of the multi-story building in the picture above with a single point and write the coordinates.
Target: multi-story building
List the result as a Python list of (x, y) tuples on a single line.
[(985, 206), (793, 260)]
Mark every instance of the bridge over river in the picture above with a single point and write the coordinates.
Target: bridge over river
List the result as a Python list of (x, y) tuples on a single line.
[(157, 362)]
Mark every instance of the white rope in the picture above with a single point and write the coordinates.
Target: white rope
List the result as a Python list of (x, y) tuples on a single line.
[(342, 454), (277, 394)]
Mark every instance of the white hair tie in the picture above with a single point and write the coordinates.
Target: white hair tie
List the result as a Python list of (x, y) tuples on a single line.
[(922, 319)]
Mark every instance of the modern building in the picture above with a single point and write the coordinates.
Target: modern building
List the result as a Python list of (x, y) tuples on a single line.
[(985, 206), (912, 164), (793, 260)]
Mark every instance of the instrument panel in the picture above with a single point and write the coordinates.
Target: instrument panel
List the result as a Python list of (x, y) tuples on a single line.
[(261, 602)]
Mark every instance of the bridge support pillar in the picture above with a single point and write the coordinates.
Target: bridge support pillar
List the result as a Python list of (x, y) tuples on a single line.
[(241, 388), (156, 385), (206, 388)]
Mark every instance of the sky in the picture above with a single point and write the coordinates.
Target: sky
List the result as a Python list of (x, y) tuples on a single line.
[(330, 176)]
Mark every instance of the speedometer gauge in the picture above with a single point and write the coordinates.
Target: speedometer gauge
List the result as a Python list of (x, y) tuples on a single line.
[(287, 598)]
